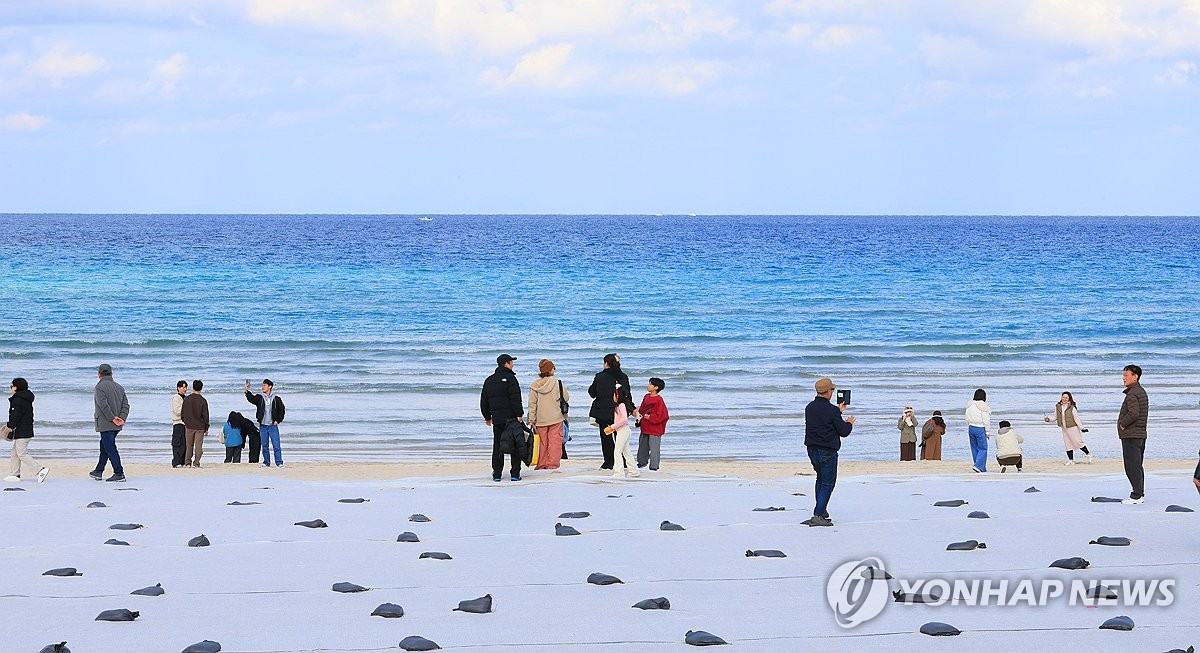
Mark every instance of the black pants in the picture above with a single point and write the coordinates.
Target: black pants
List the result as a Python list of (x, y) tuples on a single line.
[(177, 445), (233, 454), (1132, 451), (498, 457), (607, 444), (255, 442)]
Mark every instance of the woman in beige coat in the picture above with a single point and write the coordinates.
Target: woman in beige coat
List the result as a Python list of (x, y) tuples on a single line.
[(1067, 418), (545, 414)]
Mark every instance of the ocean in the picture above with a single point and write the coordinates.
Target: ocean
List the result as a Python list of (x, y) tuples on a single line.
[(379, 329)]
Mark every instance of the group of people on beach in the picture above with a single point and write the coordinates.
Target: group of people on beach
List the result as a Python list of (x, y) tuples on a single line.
[(190, 424), (1008, 440), (824, 428), (611, 412)]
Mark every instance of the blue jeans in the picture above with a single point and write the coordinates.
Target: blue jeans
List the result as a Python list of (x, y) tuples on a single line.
[(270, 438), (978, 437), (108, 451), (824, 461)]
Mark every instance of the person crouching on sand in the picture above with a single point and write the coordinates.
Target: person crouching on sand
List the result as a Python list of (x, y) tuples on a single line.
[(621, 433), (232, 438), (1067, 418), (1008, 447)]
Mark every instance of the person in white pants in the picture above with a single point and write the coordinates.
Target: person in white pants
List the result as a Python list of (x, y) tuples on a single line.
[(19, 429), (621, 432)]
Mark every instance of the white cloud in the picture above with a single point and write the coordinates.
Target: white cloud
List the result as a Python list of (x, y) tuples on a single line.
[(60, 63), (842, 36), (165, 75), (958, 57), (1095, 92), (549, 67), (1179, 74), (675, 79), (24, 122), (798, 32)]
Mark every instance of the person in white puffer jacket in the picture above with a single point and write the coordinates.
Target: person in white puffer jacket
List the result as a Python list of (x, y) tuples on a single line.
[(1008, 446), (979, 418)]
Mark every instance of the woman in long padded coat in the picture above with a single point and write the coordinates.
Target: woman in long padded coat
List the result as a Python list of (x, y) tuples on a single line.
[(603, 407)]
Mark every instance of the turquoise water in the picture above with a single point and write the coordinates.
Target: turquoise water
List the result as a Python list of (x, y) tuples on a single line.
[(379, 329)]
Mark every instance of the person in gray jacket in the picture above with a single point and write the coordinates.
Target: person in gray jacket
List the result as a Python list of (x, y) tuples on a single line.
[(1131, 428), (112, 409)]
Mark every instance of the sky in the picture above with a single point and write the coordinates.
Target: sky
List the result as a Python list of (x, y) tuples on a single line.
[(997, 107)]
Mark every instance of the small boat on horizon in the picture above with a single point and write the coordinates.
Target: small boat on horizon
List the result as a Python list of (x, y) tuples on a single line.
[(424, 218)]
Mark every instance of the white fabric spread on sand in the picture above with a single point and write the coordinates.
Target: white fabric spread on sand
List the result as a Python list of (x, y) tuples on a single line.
[(264, 584)]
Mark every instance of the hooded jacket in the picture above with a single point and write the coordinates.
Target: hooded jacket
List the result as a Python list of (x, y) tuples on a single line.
[(260, 402), (20, 414), (1008, 442), (544, 409)]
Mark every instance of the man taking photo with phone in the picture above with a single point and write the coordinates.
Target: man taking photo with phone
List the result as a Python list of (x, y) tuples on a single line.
[(824, 429)]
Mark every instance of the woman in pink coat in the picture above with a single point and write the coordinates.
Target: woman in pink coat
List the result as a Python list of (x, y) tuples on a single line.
[(1067, 418)]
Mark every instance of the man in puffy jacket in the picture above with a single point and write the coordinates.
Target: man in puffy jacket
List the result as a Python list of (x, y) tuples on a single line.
[(1131, 428), (500, 401)]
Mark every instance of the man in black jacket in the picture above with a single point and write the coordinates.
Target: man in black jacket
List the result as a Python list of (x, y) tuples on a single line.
[(269, 412), (824, 429), (500, 401)]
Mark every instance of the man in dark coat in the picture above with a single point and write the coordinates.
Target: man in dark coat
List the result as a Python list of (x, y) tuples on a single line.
[(1131, 428), (824, 429), (602, 389), (500, 401)]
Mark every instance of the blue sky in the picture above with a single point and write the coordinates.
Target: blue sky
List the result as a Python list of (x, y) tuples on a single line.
[(614, 106)]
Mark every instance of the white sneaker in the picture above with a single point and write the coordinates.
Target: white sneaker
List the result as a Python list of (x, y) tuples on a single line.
[(618, 474), (12, 479), (634, 473), (1069, 463), (1089, 459), (43, 473), (1133, 502)]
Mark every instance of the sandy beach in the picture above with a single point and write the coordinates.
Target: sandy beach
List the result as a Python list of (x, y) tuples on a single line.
[(264, 584)]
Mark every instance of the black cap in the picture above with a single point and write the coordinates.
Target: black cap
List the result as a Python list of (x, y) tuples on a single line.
[(504, 358)]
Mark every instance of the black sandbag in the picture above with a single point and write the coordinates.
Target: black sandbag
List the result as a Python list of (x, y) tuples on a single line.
[(243, 503), (702, 638), (1117, 623), (770, 509), (481, 605), (60, 647), (125, 527), (952, 503), (355, 500), (207, 646), (418, 643), (765, 553), (348, 588), (1071, 563), (117, 615), (97, 504), (419, 518), (1105, 500), (873, 573), (598, 578), (1177, 508), (668, 526), (62, 571), (564, 531), (435, 555), (312, 523), (116, 542), (1104, 540), (968, 545), (153, 590), (1031, 489), (979, 514), (901, 597), (407, 536), (660, 603), (939, 629), (199, 540), (574, 515), (388, 611), (1101, 592)]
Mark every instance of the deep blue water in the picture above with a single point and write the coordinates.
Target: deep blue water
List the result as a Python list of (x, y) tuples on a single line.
[(378, 329)]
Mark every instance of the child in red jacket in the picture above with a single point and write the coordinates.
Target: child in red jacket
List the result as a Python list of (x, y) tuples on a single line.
[(652, 418)]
